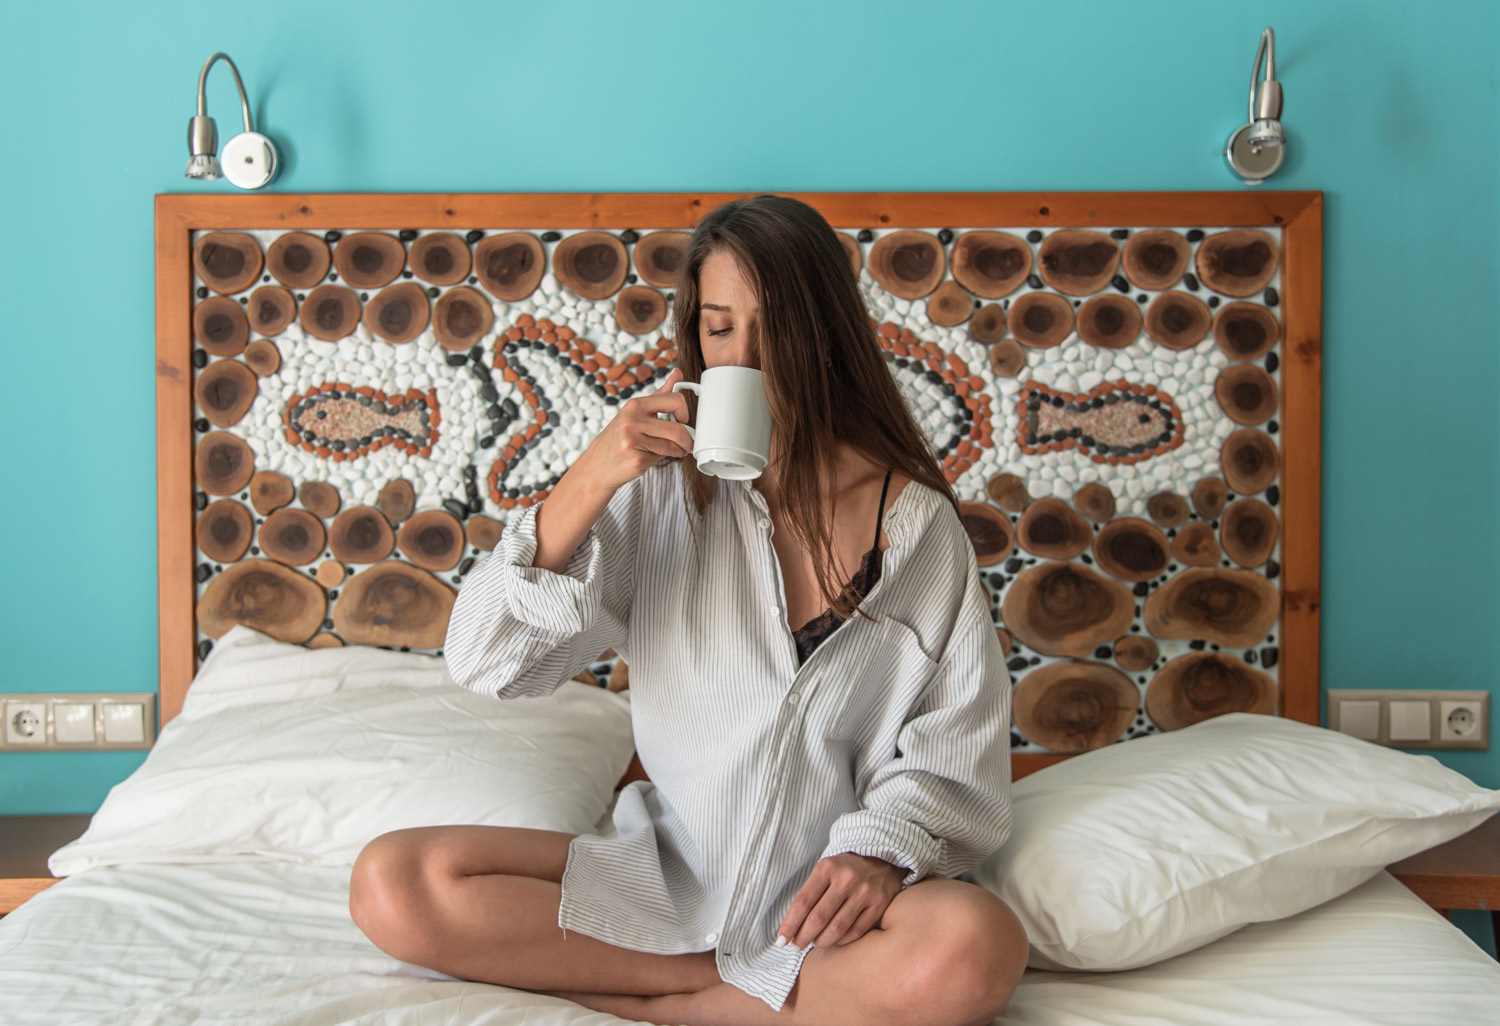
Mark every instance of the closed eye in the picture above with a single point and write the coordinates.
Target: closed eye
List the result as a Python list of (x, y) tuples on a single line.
[(723, 332)]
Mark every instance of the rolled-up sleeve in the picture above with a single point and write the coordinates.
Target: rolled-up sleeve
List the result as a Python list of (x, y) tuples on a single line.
[(519, 631), (942, 804)]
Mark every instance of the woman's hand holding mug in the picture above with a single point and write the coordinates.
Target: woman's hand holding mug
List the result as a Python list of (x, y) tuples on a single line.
[(635, 439)]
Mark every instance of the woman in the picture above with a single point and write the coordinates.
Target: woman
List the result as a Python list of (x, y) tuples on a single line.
[(820, 771)]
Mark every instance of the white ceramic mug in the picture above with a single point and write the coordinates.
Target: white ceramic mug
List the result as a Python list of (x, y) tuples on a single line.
[(733, 436)]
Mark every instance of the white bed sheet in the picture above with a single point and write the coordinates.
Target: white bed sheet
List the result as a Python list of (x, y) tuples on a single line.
[(272, 943)]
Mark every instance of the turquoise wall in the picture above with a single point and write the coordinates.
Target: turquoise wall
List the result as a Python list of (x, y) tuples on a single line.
[(1390, 110)]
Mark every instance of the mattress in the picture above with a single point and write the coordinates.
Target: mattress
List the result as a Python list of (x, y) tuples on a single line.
[(256, 941)]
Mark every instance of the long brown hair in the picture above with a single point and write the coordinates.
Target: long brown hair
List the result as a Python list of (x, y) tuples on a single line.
[(825, 377)]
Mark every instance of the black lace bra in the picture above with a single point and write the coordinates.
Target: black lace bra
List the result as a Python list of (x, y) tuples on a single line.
[(811, 634)]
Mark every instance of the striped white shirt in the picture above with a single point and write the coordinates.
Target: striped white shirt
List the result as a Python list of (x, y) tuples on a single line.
[(892, 740)]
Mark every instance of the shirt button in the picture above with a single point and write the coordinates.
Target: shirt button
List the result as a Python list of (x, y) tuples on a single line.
[(764, 522), (711, 938), (792, 698)]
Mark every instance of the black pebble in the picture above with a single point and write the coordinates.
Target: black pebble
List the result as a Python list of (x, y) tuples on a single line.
[(1271, 298), (1249, 655), (1120, 233), (457, 359), (1271, 427), (1273, 495), (1087, 558), (204, 648), (1271, 362), (628, 236), (1142, 298), (1213, 301), (1034, 236), (1142, 589), (204, 572), (1272, 568), (200, 358), (486, 442), (1012, 565), (254, 551), (1196, 644), (1102, 652), (945, 236), (551, 236), (1034, 281), (407, 274), (463, 567), (474, 236), (1268, 657), (1120, 283), (1015, 663), (328, 624), (1191, 282), (364, 297), (433, 292), (202, 292), (332, 236), (1034, 660), (201, 424), (1194, 234), (201, 500), (489, 392), (865, 235), (476, 504), (407, 234)]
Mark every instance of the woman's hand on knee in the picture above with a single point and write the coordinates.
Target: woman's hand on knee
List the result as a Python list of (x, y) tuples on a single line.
[(843, 898)]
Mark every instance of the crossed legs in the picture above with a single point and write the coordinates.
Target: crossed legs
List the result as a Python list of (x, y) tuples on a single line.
[(481, 903)]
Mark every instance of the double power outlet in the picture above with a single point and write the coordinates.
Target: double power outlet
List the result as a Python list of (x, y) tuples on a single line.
[(1413, 719)]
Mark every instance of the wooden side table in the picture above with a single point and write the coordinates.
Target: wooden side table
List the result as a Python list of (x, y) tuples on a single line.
[(1463, 873), (25, 843)]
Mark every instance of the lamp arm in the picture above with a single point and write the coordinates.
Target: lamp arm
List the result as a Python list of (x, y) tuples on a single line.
[(244, 100)]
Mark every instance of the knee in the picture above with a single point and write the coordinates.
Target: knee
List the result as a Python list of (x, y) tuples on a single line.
[(973, 963), (384, 891)]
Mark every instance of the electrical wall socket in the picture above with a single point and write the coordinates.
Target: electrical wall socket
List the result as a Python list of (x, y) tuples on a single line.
[(1412, 719), (79, 721)]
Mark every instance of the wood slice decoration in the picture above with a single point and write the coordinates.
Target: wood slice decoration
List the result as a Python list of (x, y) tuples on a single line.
[(1095, 501), (220, 326), (1167, 508), (949, 305), (320, 497), (223, 463), (330, 312), (1198, 686), (224, 391), (228, 262), (1041, 319), (271, 309), (1004, 636), (1156, 260), (440, 258), (1074, 706), (509, 266), (1007, 358), (396, 500), (1208, 497), (1246, 394), (1245, 331), (292, 536), (1066, 609), (1233, 608), (1248, 531), (851, 250), (361, 534), (264, 596), (461, 317), (989, 532), (1196, 545), (269, 491), (369, 260), (1237, 263), (326, 640), (990, 264), (591, 264), (1109, 321), (639, 309), (1051, 528), (433, 540), (1132, 549), (660, 256), (398, 313), (394, 603), (1008, 492), (263, 357), (908, 263), (484, 532), (1178, 320), (987, 326), (1077, 261), (298, 260), (330, 573), (1136, 653), (619, 676), (1249, 460), (224, 530)]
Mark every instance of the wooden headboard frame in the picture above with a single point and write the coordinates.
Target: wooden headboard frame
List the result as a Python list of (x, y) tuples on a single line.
[(1297, 214)]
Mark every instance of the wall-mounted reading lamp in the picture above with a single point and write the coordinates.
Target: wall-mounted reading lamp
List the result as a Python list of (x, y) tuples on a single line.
[(249, 158), (1256, 150)]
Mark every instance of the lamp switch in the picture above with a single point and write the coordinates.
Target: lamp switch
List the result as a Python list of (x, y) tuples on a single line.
[(1360, 719), (73, 722), (124, 723), (1411, 721)]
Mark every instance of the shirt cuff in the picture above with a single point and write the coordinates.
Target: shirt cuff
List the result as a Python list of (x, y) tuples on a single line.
[(561, 603), (883, 836)]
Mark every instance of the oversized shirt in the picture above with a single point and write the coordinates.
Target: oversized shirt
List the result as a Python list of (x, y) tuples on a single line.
[(892, 740)]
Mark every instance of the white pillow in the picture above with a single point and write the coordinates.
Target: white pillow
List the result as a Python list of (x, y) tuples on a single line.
[(1130, 854), (293, 754)]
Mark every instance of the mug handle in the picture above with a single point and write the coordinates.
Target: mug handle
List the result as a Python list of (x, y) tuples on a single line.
[(693, 387)]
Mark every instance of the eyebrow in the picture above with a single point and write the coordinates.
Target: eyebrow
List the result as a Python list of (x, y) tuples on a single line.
[(712, 306)]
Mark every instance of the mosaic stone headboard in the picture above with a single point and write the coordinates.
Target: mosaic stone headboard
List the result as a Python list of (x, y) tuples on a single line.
[(355, 393)]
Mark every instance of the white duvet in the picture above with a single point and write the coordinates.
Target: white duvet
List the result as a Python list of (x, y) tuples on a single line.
[(269, 942)]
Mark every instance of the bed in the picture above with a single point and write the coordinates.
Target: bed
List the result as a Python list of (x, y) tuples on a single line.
[(1188, 845)]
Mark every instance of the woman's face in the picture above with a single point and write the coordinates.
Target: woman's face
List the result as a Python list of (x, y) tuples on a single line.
[(726, 314)]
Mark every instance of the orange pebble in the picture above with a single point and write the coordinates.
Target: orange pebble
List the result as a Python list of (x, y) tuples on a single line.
[(566, 334), (976, 383), (435, 418), (510, 374), (531, 430), (545, 324), (614, 372), (531, 400), (549, 337), (532, 333), (899, 348), (626, 380), (365, 390), (525, 500), (507, 503), (514, 334), (591, 365), (889, 330), (959, 367), (585, 345), (541, 416), (633, 359), (603, 360), (426, 451), (323, 451), (576, 354), (510, 453)]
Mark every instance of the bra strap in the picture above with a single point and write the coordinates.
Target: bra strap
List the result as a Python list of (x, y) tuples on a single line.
[(881, 517)]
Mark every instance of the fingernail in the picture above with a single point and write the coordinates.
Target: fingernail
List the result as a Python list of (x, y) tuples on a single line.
[(780, 942)]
